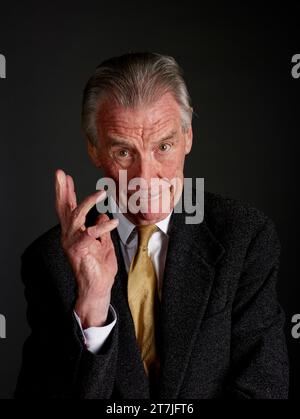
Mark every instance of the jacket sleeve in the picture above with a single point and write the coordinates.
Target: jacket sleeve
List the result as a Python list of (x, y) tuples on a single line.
[(55, 362), (259, 360)]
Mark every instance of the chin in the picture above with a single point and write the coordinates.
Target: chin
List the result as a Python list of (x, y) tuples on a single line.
[(149, 218)]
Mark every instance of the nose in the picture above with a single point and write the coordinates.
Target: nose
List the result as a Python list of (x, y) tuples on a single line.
[(147, 170)]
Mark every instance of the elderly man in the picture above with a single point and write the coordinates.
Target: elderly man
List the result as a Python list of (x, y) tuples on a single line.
[(142, 304)]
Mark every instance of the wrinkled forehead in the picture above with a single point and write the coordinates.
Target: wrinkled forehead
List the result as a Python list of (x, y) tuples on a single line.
[(161, 115)]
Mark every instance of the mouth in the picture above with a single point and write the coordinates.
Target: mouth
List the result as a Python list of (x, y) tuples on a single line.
[(150, 198), (146, 198)]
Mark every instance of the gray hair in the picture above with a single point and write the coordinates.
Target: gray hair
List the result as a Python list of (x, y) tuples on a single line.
[(132, 80)]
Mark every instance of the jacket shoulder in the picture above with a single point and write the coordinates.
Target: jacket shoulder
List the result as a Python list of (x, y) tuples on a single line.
[(223, 213)]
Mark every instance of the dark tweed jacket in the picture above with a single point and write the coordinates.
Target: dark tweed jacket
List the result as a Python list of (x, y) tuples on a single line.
[(220, 322)]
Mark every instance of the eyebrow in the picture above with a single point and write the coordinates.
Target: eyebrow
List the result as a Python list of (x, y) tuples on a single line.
[(122, 142), (118, 142), (168, 136)]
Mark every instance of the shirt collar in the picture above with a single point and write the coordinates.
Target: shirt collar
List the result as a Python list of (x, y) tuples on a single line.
[(125, 227)]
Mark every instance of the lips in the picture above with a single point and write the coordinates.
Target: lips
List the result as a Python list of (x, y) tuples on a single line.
[(150, 198)]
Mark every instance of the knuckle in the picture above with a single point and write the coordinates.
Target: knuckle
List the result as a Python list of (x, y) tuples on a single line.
[(70, 206), (75, 212)]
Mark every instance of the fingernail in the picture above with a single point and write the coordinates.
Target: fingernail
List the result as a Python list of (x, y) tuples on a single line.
[(60, 176)]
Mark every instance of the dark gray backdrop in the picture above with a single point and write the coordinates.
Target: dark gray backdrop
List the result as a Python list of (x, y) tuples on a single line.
[(237, 64)]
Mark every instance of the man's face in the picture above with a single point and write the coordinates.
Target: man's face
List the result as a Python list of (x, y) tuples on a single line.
[(148, 143)]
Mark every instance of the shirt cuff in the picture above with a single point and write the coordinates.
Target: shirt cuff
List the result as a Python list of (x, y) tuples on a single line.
[(95, 337)]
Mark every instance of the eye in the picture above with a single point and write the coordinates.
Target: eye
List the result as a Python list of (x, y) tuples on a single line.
[(164, 147), (123, 153)]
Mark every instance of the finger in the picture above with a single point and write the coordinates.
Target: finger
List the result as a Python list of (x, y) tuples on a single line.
[(60, 195), (72, 200), (80, 212), (103, 228), (101, 219)]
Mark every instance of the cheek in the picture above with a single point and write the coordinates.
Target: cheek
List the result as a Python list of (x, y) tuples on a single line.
[(171, 169), (174, 165), (111, 170)]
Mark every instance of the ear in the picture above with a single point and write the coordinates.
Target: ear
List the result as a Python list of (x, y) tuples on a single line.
[(188, 140), (94, 154)]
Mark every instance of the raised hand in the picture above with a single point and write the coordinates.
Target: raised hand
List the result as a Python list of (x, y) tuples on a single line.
[(90, 251)]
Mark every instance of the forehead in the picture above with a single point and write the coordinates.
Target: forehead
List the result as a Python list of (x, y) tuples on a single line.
[(163, 114)]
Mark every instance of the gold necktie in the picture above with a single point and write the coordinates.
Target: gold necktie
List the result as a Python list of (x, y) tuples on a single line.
[(143, 299)]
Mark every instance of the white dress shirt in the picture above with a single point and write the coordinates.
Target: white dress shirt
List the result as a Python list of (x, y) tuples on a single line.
[(95, 337)]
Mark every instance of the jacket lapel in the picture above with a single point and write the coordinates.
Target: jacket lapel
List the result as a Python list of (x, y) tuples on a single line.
[(189, 272)]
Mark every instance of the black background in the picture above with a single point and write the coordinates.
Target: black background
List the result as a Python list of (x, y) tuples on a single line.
[(237, 64)]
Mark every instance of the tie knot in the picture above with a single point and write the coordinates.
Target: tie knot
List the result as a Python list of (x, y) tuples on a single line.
[(144, 234)]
